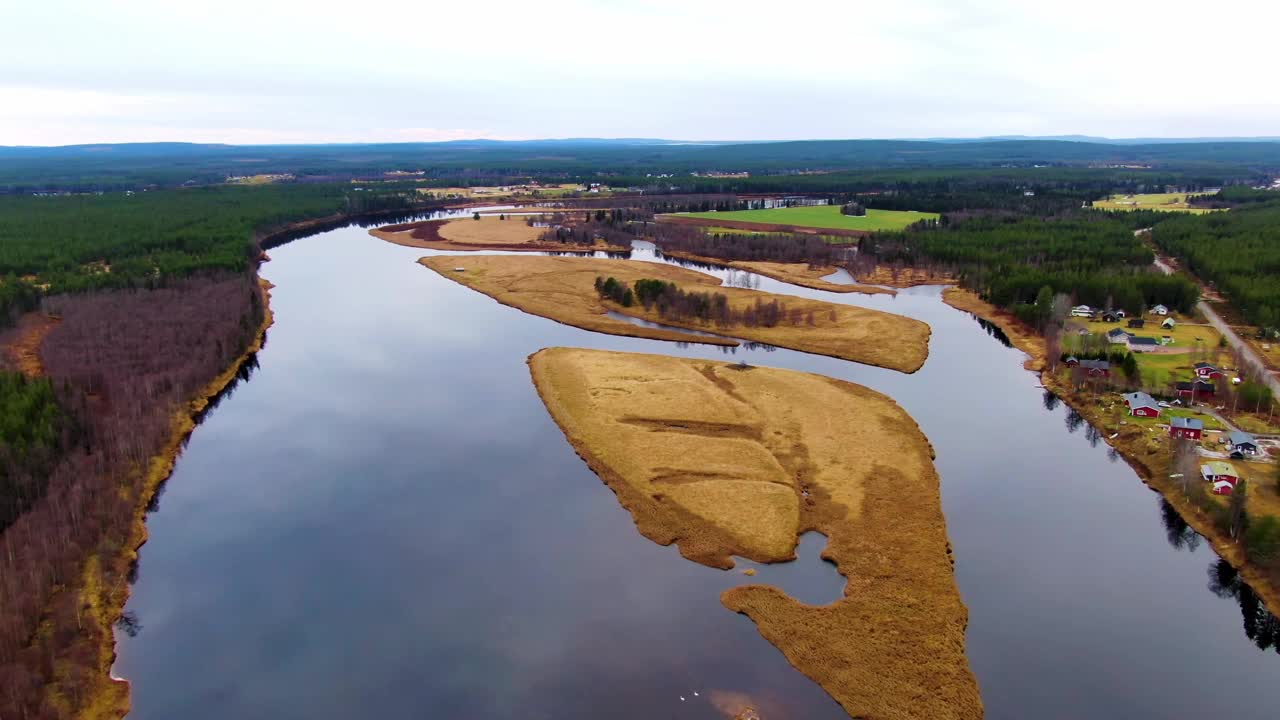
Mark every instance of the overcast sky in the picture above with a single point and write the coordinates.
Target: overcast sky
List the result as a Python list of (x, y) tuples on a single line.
[(259, 71)]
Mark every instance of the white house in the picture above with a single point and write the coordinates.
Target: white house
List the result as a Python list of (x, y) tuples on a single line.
[(1118, 337), (1168, 323), (1159, 310)]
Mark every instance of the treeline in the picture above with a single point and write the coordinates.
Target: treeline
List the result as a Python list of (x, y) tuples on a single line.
[(1008, 260), (1238, 251), (770, 247), (123, 364), (672, 302), (1233, 196), (76, 243)]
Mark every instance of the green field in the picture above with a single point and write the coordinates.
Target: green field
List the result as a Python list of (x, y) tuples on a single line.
[(1170, 202), (823, 216)]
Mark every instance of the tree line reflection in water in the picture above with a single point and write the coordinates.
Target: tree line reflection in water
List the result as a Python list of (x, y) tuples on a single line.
[(1260, 626)]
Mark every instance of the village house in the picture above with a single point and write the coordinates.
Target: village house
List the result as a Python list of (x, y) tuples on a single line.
[(1242, 442), (1184, 427), (1197, 389), (1207, 371), (1096, 368), (1218, 472), (1137, 323), (1116, 336), (1141, 405), (1142, 344), (1159, 310), (1168, 323), (1111, 316)]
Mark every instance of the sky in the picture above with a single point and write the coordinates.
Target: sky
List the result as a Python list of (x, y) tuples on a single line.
[(268, 71)]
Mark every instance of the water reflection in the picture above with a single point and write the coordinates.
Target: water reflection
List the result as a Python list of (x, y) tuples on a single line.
[(1260, 626)]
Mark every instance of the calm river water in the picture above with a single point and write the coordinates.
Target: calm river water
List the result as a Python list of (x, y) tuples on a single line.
[(383, 521)]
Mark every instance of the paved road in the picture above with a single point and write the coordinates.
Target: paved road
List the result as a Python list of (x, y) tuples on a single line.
[(1232, 339)]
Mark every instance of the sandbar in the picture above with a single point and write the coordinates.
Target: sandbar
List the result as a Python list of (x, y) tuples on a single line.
[(726, 460), (563, 289)]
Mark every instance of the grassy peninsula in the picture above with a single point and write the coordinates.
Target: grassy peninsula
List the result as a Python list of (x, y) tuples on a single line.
[(563, 289)]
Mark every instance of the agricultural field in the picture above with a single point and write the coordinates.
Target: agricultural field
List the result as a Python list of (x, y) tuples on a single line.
[(822, 216), (1172, 202)]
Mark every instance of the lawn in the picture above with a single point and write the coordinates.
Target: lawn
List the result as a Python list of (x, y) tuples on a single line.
[(1172, 202), (823, 216)]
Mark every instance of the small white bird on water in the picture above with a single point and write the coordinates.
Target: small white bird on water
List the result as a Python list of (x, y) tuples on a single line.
[(695, 693), (681, 698)]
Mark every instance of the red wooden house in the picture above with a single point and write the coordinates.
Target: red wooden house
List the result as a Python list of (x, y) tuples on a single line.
[(1184, 427)]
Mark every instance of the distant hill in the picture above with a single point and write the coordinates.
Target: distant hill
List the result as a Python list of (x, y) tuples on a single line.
[(115, 166)]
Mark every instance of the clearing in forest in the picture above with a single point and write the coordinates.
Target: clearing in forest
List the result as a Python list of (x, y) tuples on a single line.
[(820, 216), (1170, 202)]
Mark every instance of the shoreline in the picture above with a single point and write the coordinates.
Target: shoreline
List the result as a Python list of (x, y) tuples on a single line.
[(404, 235), (1263, 585), (762, 267), (561, 289), (106, 601)]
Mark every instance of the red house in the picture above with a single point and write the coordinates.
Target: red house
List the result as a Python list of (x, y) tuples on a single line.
[(1142, 405), (1198, 389), (1216, 471), (1096, 368), (1205, 371), (1184, 427)]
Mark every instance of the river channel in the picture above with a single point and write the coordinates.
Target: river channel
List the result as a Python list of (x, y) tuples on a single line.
[(383, 521)]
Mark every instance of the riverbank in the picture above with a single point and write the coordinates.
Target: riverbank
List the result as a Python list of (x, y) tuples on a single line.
[(105, 588), (488, 233), (563, 289), (1152, 467), (726, 460), (1019, 334), (802, 274)]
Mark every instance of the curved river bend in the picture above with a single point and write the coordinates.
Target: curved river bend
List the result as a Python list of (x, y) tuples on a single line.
[(385, 522)]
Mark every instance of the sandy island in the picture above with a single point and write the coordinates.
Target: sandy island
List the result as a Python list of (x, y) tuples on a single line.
[(487, 233), (724, 460), (563, 289)]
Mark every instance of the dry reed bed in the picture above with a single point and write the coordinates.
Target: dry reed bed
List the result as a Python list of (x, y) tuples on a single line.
[(724, 460), (563, 289)]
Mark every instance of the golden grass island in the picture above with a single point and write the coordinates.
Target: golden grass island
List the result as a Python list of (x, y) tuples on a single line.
[(563, 289), (490, 232), (725, 460)]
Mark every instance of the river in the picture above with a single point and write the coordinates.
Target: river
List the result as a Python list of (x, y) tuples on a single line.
[(383, 521)]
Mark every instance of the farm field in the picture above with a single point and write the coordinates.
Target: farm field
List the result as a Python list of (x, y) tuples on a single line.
[(1172, 202), (822, 216)]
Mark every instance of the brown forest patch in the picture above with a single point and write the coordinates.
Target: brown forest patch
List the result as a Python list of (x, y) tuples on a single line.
[(22, 343), (563, 289), (768, 454)]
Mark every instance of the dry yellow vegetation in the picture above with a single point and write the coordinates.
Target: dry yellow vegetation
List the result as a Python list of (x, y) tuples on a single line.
[(563, 289), (802, 274), (490, 232), (726, 460)]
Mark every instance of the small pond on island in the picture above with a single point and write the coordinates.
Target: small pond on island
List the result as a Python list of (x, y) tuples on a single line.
[(382, 521)]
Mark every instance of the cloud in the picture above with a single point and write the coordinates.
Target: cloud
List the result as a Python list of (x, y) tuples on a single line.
[(398, 70)]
